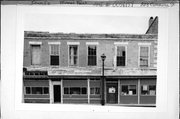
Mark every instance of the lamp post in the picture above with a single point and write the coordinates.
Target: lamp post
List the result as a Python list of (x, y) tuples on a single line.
[(103, 57)]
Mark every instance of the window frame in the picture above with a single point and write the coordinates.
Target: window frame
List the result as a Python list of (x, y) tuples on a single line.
[(36, 87), (87, 46), (50, 44), (69, 90), (35, 44), (148, 89), (77, 44), (69, 55), (95, 90), (144, 45), (120, 44), (128, 89), (116, 47)]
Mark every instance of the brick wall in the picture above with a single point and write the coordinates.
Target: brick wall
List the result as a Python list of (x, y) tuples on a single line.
[(105, 46)]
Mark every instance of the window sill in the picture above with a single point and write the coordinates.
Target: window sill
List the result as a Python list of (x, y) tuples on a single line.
[(129, 95), (75, 94), (148, 95), (36, 94), (95, 94)]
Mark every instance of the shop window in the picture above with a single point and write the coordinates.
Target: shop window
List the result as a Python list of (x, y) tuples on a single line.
[(83, 90), (75, 90), (66, 91), (121, 56), (54, 54), (148, 90), (46, 90), (92, 55), (35, 54), (128, 90), (37, 90), (94, 90), (144, 56), (73, 55), (28, 90)]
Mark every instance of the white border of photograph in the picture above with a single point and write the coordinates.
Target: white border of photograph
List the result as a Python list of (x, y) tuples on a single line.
[(164, 86)]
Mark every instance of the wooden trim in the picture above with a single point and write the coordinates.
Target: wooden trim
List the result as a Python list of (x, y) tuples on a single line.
[(139, 88), (92, 43), (144, 44), (88, 90), (62, 91), (73, 43), (35, 43), (54, 43), (37, 98), (51, 91), (121, 43), (119, 91)]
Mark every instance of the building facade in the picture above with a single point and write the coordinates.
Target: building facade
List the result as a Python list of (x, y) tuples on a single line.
[(67, 67)]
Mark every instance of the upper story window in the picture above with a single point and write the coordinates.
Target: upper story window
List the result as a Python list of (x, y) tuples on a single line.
[(73, 55), (92, 55), (144, 56), (121, 56), (35, 54), (54, 54)]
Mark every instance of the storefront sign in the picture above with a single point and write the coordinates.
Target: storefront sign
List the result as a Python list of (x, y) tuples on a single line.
[(112, 90), (73, 72)]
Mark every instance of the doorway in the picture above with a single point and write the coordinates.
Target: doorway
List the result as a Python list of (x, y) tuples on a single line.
[(112, 93), (57, 93)]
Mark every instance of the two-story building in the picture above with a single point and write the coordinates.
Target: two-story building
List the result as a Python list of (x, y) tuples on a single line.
[(67, 67)]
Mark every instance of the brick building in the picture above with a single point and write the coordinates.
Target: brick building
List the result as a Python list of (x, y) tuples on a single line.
[(67, 67)]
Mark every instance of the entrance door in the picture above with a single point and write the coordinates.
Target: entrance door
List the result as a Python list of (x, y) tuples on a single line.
[(57, 93), (112, 93)]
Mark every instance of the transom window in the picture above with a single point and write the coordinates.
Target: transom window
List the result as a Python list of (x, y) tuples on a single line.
[(144, 56), (92, 55), (75, 90), (148, 89), (128, 90), (121, 56), (73, 55), (37, 90), (54, 54)]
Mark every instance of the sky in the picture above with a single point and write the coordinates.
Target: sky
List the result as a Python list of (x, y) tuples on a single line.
[(86, 23)]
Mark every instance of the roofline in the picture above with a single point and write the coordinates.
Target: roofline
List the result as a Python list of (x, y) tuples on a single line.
[(75, 38), (71, 33)]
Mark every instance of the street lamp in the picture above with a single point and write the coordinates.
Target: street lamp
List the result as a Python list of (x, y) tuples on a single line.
[(103, 57)]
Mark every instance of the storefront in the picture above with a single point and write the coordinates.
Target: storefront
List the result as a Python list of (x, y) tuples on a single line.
[(87, 89)]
